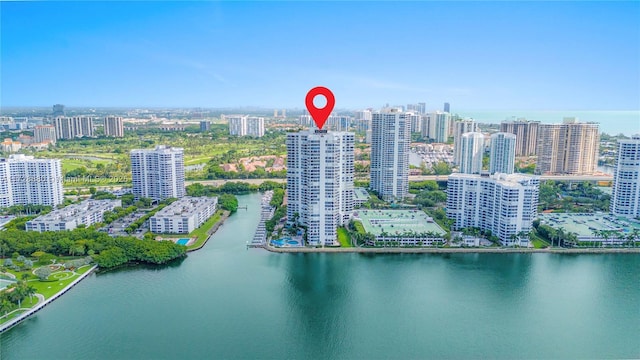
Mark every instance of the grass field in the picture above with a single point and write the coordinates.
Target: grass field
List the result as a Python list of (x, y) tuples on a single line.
[(201, 232), (344, 238)]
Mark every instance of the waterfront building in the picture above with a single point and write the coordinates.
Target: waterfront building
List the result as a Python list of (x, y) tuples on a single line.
[(27, 180), (390, 139), (503, 153), (400, 228), (505, 204), (471, 152), (158, 174), (86, 213), (461, 127), (43, 133), (320, 172), (183, 215), (625, 198), (569, 148), (526, 133), (113, 126)]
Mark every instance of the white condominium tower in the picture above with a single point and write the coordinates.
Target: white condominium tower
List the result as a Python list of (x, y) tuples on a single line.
[(73, 127), (113, 126), (26, 180), (568, 148), (158, 174), (43, 133), (390, 139), (435, 126), (625, 198), (320, 175), (459, 128), (242, 125), (504, 204), (503, 153), (471, 151)]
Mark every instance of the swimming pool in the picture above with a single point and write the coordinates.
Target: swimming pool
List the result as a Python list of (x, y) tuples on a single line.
[(286, 242), (183, 241)]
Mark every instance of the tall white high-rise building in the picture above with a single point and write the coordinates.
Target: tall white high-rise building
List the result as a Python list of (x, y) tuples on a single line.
[(435, 126), (320, 172), (158, 174), (43, 133), (504, 204), (113, 126), (73, 127), (243, 125), (390, 139), (471, 151), (502, 155), (255, 126), (459, 128), (416, 122), (27, 180), (625, 197)]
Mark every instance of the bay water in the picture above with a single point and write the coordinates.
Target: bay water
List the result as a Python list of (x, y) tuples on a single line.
[(226, 301)]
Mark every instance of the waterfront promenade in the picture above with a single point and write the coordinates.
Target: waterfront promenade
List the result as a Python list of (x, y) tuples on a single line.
[(15, 321)]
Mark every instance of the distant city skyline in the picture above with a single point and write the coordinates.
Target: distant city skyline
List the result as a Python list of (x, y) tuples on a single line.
[(499, 55)]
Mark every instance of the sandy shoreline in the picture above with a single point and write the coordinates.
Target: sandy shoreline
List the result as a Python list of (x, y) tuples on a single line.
[(453, 250)]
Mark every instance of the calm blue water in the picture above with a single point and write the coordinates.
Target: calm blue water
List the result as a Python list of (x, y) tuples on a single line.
[(611, 122), (227, 302)]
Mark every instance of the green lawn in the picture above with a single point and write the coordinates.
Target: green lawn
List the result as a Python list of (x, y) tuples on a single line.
[(538, 242), (344, 238), (359, 227), (50, 288), (201, 232)]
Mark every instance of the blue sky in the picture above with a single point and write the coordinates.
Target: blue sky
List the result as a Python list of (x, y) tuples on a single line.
[(476, 55)]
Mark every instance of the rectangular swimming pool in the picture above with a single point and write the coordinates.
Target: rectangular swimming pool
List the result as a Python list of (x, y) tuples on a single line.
[(183, 241)]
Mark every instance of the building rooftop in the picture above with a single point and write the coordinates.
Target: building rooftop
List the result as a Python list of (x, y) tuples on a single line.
[(584, 224), (71, 212), (396, 222), (185, 206), (361, 194)]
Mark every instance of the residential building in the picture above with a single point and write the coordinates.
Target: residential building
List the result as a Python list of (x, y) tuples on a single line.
[(461, 127), (43, 133), (435, 126), (505, 204), (255, 126), (113, 126), (243, 125), (526, 133), (73, 127), (27, 180), (416, 122), (390, 139), (58, 110), (447, 107), (320, 172), (70, 217), (183, 216), (205, 126), (10, 146), (471, 152), (625, 198), (158, 174), (502, 155), (569, 148)]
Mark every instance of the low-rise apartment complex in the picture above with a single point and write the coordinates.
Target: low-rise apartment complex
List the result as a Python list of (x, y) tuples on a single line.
[(183, 216)]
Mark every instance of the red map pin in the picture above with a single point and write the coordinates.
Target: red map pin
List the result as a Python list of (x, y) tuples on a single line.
[(320, 115)]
